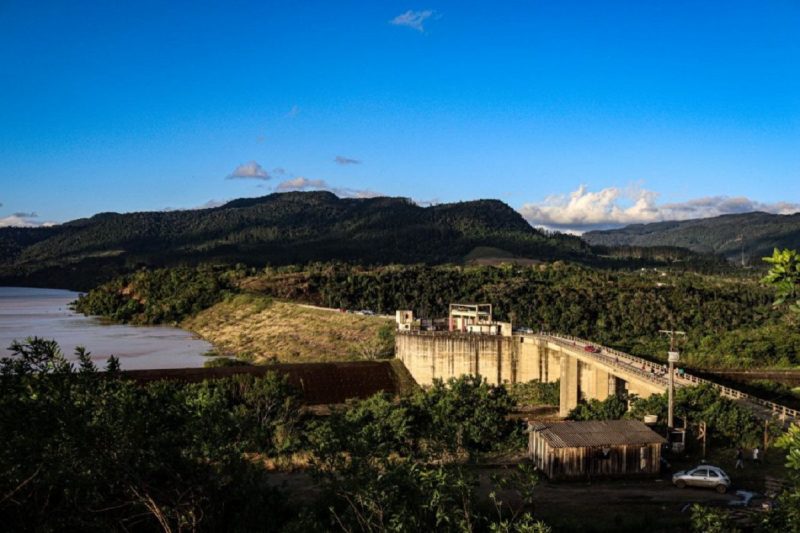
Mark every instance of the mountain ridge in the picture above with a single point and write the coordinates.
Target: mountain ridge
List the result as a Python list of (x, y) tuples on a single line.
[(277, 229), (752, 234)]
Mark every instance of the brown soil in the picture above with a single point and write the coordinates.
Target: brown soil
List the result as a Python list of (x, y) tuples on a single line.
[(262, 330)]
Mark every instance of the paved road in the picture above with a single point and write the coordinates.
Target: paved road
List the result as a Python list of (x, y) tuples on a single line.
[(654, 372)]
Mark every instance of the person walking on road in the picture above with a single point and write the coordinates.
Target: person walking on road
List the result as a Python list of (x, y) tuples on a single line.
[(757, 455), (739, 459)]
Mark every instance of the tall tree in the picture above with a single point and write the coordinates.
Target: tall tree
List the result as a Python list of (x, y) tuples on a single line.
[(785, 277)]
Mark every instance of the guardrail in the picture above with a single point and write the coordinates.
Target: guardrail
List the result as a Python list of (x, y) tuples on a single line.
[(621, 360), (776, 409)]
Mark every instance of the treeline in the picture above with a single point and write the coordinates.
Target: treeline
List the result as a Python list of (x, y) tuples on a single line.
[(730, 322), (744, 236), (90, 451), (158, 296), (728, 422), (278, 229), (298, 228)]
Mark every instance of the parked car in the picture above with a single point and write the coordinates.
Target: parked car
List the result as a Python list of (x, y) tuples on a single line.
[(524, 331), (704, 476), (592, 349)]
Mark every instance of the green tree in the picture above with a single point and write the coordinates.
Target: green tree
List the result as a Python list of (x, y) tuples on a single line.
[(710, 520), (85, 451), (784, 275), (786, 515), (464, 416), (612, 408)]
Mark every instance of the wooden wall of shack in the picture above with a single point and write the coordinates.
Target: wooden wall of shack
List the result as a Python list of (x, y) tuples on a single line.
[(594, 461)]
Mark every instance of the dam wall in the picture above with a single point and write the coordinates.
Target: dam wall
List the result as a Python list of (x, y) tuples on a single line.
[(499, 359)]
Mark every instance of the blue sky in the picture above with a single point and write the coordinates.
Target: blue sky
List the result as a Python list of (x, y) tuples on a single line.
[(579, 114)]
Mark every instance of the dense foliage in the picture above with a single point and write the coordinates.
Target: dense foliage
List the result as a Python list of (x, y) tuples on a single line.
[(786, 516), (784, 275), (84, 451), (612, 408), (728, 422), (158, 296), (534, 393), (90, 451), (278, 229), (621, 309), (389, 466)]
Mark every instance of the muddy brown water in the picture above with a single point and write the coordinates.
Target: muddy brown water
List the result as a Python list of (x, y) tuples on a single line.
[(28, 312)]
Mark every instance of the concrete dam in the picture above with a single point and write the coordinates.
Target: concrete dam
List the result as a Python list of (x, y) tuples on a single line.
[(469, 342)]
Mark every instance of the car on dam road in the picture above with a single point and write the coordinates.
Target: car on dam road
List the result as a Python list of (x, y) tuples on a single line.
[(704, 476), (591, 349)]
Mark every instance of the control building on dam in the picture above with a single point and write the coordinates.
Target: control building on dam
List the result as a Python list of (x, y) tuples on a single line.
[(469, 341)]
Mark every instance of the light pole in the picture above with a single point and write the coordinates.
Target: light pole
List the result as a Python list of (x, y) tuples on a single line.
[(672, 357)]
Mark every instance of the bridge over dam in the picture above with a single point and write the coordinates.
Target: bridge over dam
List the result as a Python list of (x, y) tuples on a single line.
[(585, 370)]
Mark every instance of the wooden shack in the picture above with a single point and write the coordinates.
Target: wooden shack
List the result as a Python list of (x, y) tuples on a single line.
[(580, 450)]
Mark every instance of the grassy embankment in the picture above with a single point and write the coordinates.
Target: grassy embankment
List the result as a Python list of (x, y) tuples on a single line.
[(260, 329)]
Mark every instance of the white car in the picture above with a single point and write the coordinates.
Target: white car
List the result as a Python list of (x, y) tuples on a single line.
[(705, 476)]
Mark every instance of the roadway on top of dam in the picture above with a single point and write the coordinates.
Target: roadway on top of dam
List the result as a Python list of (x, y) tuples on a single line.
[(654, 375)]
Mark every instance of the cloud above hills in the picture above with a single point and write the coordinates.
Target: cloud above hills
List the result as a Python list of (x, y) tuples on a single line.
[(23, 220), (305, 184), (584, 210)]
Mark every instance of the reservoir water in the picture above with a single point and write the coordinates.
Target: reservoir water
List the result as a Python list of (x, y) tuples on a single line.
[(27, 312)]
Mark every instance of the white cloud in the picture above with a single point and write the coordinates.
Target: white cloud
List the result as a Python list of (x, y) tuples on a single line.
[(24, 220), (341, 160), (301, 184), (305, 184), (251, 170), (584, 210), (413, 19), (346, 192), (13, 221)]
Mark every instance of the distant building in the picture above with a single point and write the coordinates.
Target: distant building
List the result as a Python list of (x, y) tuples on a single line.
[(580, 450), (405, 320), (461, 318), (475, 318)]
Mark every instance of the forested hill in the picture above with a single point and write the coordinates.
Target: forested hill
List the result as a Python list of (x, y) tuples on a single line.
[(277, 229), (755, 233)]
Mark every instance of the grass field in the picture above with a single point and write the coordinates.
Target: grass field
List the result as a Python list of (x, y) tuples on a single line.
[(259, 329)]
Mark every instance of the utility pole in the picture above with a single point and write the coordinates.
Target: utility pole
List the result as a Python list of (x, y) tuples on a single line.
[(702, 436), (672, 358)]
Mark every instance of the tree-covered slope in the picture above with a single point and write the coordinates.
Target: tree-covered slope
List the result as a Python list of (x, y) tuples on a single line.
[(276, 229), (754, 233)]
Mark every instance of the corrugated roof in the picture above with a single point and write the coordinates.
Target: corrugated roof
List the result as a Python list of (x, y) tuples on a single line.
[(574, 434)]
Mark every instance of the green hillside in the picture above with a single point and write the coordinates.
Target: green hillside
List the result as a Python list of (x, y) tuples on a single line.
[(277, 229), (754, 234)]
